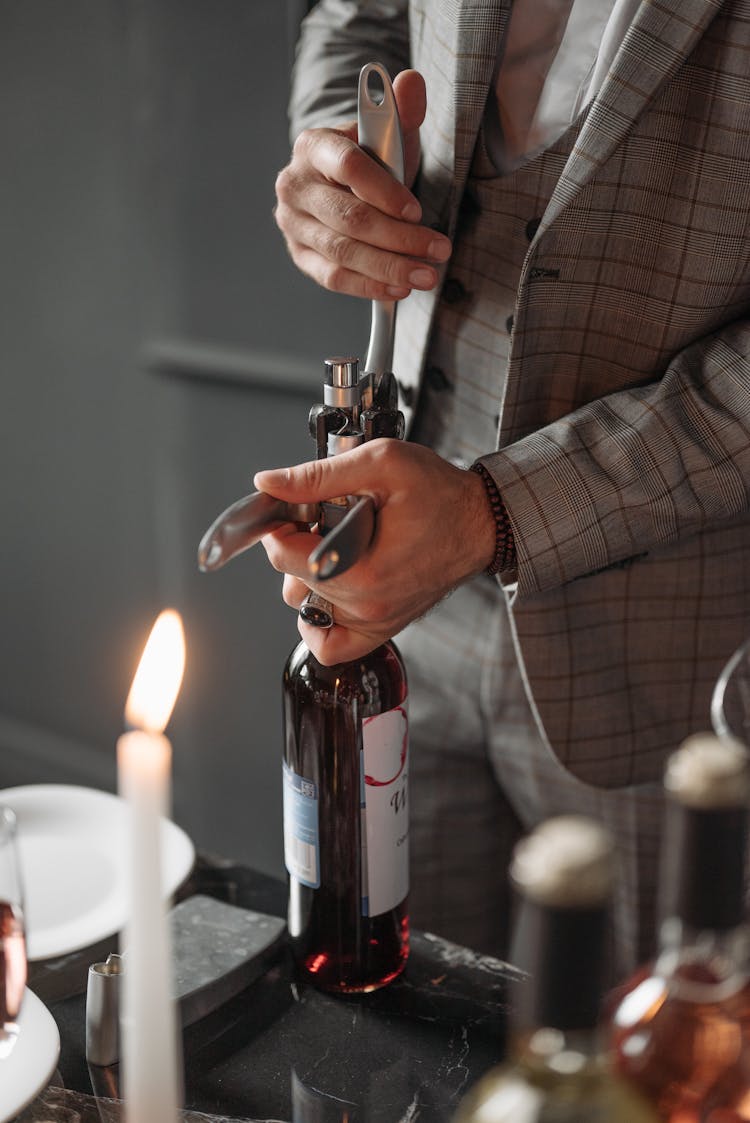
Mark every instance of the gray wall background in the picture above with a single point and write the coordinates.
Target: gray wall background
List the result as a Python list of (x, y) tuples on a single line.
[(156, 348)]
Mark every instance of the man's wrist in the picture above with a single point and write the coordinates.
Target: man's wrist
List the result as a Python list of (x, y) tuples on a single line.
[(505, 547)]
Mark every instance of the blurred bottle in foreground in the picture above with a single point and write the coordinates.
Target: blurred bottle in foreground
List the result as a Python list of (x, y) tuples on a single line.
[(682, 1029), (556, 1069)]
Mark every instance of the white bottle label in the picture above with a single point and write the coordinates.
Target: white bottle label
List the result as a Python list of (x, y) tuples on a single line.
[(385, 810), (301, 841)]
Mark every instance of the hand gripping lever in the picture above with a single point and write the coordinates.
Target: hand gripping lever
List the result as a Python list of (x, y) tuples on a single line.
[(355, 409)]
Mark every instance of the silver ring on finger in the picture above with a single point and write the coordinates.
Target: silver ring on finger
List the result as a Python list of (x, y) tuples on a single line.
[(316, 610)]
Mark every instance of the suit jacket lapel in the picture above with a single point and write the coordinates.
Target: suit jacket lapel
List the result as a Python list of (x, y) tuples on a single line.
[(479, 28), (661, 36), (471, 31), (458, 59), (468, 33)]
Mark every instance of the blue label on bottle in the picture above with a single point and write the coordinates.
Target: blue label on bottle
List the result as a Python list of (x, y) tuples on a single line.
[(301, 839)]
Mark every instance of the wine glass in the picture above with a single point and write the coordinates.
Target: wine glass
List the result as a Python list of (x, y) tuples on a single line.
[(12, 934), (730, 702)]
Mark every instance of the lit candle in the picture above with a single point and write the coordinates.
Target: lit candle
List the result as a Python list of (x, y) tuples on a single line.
[(144, 757)]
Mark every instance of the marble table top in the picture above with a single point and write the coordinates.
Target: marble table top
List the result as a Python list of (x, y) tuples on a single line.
[(282, 1051)]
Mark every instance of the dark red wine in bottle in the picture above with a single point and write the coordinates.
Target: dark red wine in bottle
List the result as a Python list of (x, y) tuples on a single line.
[(346, 818)]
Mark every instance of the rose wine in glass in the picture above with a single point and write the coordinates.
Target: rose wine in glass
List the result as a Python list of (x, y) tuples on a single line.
[(12, 936)]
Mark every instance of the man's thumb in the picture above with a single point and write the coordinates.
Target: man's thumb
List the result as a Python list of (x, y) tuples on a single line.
[(306, 483), (411, 98)]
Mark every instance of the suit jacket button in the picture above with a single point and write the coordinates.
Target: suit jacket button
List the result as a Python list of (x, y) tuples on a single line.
[(509, 325), (437, 379), (532, 226), (453, 291)]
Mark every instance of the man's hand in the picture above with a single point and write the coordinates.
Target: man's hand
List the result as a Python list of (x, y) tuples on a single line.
[(434, 529), (347, 222)]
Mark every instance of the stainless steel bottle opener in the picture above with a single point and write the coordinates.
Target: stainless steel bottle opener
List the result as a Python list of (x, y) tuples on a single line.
[(355, 408)]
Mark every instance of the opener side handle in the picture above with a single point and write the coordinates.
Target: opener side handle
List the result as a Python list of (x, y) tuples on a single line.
[(345, 543), (244, 523)]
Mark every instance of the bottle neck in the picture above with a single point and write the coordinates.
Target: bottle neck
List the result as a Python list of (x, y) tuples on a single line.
[(703, 868), (703, 938), (563, 952)]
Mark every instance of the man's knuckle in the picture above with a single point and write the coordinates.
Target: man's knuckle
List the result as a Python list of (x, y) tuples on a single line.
[(383, 451), (283, 183), (296, 252), (336, 247), (355, 216), (288, 592), (393, 269), (303, 143), (374, 290), (313, 474), (346, 162), (274, 555), (281, 217), (332, 275)]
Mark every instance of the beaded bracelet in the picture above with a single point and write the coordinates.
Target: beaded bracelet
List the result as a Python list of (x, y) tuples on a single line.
[(505, 546)]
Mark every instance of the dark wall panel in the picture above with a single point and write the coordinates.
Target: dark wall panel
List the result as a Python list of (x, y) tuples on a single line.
[(140, 143)]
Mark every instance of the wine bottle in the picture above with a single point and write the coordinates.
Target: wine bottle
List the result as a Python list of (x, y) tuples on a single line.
[(345, 763), (346, 834), (346, 756), (556, 1068), (681, 1028)]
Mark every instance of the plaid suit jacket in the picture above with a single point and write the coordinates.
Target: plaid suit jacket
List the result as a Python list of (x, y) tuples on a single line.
[(623, 450)]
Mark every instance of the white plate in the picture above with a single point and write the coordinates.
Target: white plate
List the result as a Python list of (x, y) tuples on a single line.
[(31, 1062), (72, 848)]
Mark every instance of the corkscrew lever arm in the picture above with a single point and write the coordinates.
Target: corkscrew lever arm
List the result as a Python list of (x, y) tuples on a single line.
[(345, 543), (379, 134), (246, 521)]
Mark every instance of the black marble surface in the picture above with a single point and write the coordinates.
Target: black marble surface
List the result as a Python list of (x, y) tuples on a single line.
[(282, 1051)]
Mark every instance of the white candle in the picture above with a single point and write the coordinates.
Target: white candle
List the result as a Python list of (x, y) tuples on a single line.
[(144, 756)]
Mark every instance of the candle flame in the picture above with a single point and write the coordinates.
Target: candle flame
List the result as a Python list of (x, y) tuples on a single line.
[(159, 676)]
